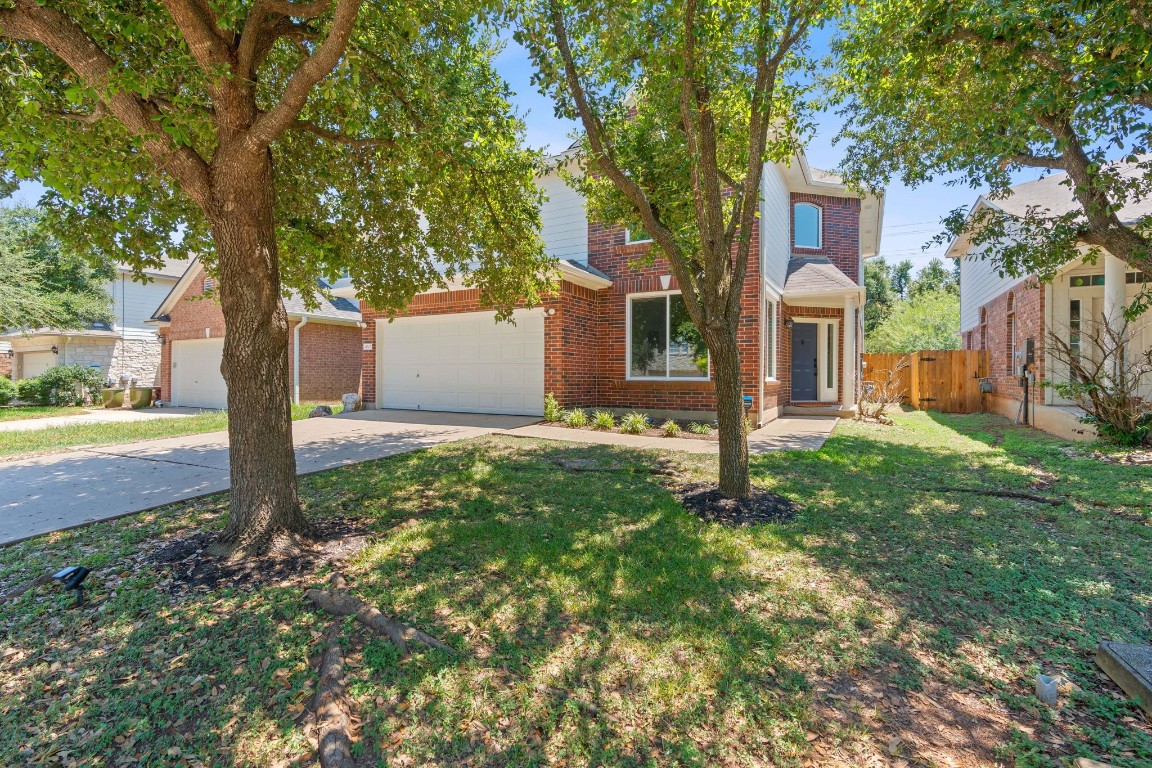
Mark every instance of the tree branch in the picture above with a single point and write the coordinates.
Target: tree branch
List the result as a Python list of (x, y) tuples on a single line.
[(199, 30), (95, 68), (258, 36), (314, 69), (337, 137), (1030, 160)]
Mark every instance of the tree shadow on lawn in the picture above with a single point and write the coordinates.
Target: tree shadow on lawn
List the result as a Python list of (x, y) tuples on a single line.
[(985, 591)]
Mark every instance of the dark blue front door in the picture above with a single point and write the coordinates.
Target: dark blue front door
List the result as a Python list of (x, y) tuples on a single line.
[(804, 356)]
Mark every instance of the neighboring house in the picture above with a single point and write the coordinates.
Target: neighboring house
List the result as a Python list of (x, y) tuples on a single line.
[(614, 336), (127, 347), (191, 327), (1002, 314)]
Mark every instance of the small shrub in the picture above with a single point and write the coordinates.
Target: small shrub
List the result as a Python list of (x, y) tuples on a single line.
[(670, 429), (603, 420), (69, 385), (576, 418), (32, 391), (552, 410), (700, 428), (634, 423), (7, 390)]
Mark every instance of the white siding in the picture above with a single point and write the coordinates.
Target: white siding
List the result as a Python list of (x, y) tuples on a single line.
[(564, 220), (775, 247), (979, 284), (133, 303)]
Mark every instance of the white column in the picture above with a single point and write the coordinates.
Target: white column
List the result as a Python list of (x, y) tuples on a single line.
[(1113, 290), (848, 395)]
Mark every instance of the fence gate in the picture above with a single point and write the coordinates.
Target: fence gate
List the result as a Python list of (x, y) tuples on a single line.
[(937, 380)]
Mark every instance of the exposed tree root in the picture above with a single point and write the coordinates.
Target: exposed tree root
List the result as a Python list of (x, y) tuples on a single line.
[(16, 591), (1006, 494), (337, 602), (333, 710)]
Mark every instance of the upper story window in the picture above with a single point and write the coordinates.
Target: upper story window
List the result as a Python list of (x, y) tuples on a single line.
[(632, 238), (806, 220)]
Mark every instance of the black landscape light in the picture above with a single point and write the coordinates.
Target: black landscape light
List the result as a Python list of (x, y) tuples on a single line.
[(72, 578)]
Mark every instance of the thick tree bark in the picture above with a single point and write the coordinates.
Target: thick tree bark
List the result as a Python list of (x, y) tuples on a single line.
[(725, 359), (265, 506)]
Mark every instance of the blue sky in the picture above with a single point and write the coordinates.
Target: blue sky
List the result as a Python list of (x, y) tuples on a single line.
[(911, 217)]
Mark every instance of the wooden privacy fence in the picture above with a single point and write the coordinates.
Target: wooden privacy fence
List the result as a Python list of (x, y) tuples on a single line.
[(937, 380)]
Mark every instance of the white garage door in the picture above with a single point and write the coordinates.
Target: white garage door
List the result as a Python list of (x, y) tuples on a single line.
[(467, 363), (36, 363), (196, 378)]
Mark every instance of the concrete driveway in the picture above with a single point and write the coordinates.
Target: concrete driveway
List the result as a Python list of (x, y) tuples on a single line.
[(65, 490)]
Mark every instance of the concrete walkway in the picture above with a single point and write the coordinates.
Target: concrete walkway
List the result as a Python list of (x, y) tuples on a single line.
[(97, 416), (59, 491), (791, 433), (65, 490)]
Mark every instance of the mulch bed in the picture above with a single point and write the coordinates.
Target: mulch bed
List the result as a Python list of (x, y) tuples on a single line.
[(712, 436), (190, 566), (706, 502)]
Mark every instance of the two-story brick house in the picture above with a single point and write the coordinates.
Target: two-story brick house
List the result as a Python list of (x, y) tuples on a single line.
[(614, 336)]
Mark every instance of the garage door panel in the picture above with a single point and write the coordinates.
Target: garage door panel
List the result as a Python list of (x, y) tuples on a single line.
[(463, 363), (196, 378)]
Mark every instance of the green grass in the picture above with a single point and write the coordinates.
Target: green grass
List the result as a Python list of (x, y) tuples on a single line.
[(39, 441), (889, 619), (20, 412)]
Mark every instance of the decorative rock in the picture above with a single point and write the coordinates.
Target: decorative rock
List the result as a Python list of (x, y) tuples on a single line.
[(1047, 689), (1087, 762), (352, 403), (1131, 667), (320, 410)]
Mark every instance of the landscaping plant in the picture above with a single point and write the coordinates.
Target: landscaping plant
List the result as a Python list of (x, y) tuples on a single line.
[(552, 410), (31, 391), (1105, 374), (7, 390), (603, 420), (699, 428), (70, 385), (882, 391), (576, 418), (634, 423), (670, 429)]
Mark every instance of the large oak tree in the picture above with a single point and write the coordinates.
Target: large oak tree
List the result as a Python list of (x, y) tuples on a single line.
[(981, 90), (681, 104), (285, 141)]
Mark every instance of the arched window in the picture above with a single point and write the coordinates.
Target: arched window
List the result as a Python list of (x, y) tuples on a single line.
[(808, 224), (983, 328)]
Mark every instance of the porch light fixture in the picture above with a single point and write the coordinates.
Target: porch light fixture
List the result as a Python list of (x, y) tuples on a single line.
[(11, 353), (787, 322), (55, 349)]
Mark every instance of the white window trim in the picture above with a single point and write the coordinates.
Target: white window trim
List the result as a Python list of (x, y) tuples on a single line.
[(629, 241), (819, 227), (824, 393), (771, 323), (667, 329)]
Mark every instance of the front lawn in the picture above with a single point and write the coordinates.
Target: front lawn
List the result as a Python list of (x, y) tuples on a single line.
[(20, 412), (892, 623), (32, 442)]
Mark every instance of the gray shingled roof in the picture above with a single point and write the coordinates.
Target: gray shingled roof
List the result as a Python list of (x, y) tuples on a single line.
[(1052, 195), (816, 274), (334, 308), (173, 268)]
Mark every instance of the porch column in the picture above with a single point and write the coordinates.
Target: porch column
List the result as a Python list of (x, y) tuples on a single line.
[(1114, 302), (848, 393), (1113, 291)]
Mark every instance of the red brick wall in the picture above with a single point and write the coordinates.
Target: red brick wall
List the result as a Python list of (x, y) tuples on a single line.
[(5, 365), (1028, 302), (331, 353), (840, 238), (608, 253)]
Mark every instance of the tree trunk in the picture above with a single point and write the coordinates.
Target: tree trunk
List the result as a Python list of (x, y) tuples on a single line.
[(726, 374), (265, 507)]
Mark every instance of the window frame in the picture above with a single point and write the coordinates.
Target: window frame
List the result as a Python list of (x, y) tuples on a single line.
[(629, 241), (771, 341), (668, 339), (819, 227)]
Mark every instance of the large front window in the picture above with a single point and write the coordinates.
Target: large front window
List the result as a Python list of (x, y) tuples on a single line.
[(663, 342)]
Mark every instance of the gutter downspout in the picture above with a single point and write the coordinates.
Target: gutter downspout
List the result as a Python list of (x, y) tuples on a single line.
[(296, 359)]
